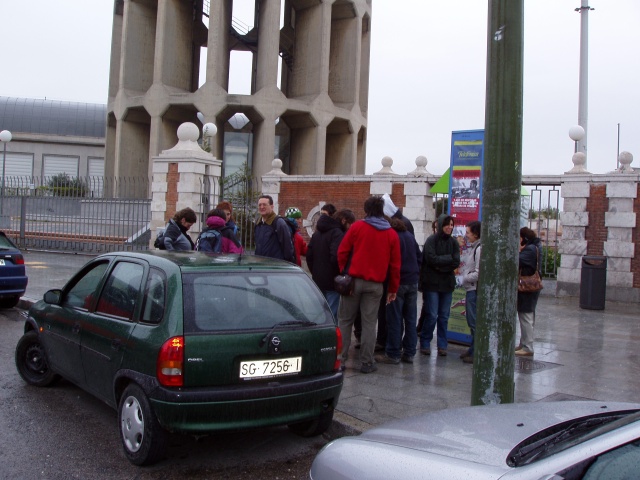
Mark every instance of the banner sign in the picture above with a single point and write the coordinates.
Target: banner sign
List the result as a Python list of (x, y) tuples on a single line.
[(465, 201)]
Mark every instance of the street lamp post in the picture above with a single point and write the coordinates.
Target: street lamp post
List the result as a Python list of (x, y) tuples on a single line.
[(576, 133), (5, 137)]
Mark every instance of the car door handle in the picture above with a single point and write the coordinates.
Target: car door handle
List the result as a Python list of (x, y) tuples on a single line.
[(75, 328), (116, 344)]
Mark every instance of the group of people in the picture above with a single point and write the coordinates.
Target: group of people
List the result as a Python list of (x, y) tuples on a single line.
[(219, 235), (387, 267)]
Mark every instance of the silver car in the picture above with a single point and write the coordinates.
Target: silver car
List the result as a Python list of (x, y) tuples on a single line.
[(545, 440)]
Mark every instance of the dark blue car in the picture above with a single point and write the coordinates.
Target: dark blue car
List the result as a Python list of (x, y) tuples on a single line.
[(13, 277)]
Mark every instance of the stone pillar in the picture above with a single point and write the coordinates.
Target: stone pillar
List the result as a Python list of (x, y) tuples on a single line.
[(573, 244), (178, 176), (620, 222), (271, 183)]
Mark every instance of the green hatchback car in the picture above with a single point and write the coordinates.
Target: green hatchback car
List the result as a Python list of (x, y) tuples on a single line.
[(189, 342)]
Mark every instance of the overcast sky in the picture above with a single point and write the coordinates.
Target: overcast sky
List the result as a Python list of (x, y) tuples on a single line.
[(427, 75)]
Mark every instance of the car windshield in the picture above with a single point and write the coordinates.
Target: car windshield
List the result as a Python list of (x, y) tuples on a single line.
[(568, 434), (251, 300)]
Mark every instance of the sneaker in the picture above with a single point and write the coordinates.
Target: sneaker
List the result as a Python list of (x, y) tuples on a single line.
[(467, 359), (524, 353), (386, 359), (368, 368), (466, 354), (406, 359), (425, 351), (442, 352)]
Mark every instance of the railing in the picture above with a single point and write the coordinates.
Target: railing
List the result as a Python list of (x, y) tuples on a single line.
[(92, 215)]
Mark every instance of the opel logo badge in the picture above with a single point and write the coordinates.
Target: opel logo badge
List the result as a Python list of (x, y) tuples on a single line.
[(275, 341)]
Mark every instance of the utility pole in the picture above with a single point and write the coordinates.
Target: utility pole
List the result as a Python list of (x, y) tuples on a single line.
[(493, 368)]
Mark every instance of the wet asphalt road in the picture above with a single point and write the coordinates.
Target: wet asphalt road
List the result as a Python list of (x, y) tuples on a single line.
[(61, 432)]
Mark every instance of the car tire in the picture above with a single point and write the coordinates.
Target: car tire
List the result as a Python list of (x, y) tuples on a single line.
[(9, 302), (31, 361), (143, 439), (314, 427)]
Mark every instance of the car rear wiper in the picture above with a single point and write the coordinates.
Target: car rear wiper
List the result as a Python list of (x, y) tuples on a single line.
[(282, 324)]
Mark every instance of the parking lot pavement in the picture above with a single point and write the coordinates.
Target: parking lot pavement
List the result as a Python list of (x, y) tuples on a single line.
[(579, 354)]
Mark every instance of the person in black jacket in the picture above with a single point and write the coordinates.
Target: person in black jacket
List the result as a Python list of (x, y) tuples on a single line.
[(528, 262), (440, 258), (322, 253)]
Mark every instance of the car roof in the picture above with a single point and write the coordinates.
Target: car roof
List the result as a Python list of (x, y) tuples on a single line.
[(195, 261)]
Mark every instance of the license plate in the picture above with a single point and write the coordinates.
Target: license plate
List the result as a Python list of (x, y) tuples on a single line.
[(270, 368)]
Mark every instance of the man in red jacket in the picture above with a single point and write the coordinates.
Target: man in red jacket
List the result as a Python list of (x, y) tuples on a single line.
[(369, 252)]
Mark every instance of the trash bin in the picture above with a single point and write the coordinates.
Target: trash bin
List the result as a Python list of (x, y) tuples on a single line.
[(593, 282)]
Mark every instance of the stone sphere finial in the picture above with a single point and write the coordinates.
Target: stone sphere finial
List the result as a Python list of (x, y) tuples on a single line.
[(387, 162), (421, 170), (188, 132), (625, 159), (579, 160), (276, 168)]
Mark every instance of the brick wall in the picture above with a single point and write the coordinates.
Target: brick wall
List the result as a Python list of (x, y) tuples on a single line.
[(308, 195), (173, 177), (596, 233)]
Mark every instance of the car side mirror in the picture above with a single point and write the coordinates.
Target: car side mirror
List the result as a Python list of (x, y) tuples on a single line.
[(53, 297)]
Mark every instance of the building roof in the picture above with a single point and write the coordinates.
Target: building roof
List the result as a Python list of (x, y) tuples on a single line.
[(52, 117)]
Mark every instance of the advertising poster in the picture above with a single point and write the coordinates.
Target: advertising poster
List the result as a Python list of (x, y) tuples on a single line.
[(465, 200)]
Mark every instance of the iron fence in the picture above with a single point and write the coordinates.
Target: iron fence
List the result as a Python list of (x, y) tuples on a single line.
[(92, 214)]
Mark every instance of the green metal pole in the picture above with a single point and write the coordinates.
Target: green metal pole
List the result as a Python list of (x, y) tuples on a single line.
[(495, 329)]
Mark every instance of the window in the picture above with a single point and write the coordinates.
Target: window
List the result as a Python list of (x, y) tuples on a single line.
[(83, 292), (121, 290), (232, 301), (154, 297)]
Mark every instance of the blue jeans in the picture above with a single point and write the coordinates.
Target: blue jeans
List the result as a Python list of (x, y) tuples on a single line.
[(402, 314), (333, 299), (438, 307), (471, 299)]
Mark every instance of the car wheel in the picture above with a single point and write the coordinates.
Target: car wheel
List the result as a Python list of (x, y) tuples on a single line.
[(143, 439), (31, 361), (9, 302), (314, 427)]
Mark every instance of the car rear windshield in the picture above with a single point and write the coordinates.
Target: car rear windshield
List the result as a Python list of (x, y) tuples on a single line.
[(251, 300)]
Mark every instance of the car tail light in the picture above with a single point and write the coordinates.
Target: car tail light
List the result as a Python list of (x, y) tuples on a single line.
[(336, 365), (18, 260), (170, 366)]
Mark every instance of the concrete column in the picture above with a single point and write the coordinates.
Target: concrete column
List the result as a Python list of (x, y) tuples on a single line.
[(138, 46), (268, 44), (218, 43), (264, 134), (173, 51)]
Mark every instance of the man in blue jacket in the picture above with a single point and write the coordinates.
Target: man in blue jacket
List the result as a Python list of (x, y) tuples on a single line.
[(273, 235)]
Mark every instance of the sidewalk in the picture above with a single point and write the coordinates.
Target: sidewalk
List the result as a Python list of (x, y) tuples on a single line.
[(580, 354)]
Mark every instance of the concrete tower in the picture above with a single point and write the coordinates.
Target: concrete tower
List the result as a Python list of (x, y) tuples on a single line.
[(309, 83)]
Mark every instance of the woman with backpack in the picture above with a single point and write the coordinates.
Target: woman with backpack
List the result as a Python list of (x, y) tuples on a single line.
[(218, 237)]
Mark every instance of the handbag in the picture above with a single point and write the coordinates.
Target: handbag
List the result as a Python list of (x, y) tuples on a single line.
[(343, 284), (530, 283)]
